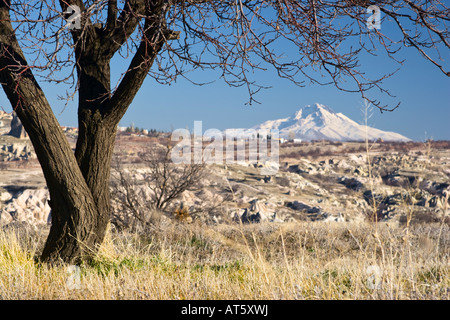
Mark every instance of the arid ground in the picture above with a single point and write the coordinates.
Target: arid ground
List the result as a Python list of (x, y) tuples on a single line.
[(337, 221)]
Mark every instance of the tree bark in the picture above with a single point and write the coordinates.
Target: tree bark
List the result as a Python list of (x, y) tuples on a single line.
[(71, 200), (77, 188), (78, 183)]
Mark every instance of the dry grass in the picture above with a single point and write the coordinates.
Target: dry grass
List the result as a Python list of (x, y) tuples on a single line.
[(287, 261)]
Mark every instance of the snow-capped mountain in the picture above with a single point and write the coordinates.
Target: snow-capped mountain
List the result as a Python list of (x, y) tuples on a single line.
[(317, 122)]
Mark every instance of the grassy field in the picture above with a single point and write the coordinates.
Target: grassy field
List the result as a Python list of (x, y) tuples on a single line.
[(309, 260)]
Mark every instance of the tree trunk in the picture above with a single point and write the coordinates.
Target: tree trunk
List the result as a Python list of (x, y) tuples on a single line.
[(94, 149), (93, 162), (95, 146), (73, 206), (78, 183), (75, 227)]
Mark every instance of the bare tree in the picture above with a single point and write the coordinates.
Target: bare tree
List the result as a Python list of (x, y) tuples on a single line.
[(161, 182), (165, 39), (168, 180)]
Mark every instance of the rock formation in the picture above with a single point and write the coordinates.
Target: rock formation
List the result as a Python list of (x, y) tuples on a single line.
[(17, 129)]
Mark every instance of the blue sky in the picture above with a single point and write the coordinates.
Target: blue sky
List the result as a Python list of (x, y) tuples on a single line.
[(424, 93)]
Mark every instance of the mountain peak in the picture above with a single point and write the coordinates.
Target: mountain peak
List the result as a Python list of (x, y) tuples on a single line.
[(316, 109), (317, 122)]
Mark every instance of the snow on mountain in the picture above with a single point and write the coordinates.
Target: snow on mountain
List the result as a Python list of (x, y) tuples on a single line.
[(317, 122)]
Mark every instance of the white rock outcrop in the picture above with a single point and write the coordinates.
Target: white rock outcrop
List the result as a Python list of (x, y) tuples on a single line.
[(29, 205)]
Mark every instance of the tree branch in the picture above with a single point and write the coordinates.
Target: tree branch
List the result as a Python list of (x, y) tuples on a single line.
[(112, 15), (120, 29), (153, 39)]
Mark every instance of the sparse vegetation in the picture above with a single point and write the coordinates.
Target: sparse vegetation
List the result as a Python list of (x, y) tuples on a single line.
[(291, 261)]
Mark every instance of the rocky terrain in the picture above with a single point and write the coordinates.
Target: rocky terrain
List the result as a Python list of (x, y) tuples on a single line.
[(317, 181), (14, 142), (395, 186)]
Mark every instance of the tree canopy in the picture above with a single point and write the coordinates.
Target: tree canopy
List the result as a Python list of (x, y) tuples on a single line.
[(235, 37)]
